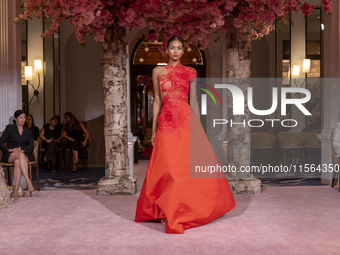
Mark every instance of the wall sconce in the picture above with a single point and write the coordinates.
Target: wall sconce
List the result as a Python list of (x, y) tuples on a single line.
[(28, 73), (296, 73), (306, 66), (38, 66), (28, 76)]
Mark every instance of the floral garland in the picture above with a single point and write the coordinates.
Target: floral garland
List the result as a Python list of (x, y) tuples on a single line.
[(193, 20)]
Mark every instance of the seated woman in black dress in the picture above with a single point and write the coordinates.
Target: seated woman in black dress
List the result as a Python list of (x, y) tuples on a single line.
[(144, 142), (30, 124), (51, 136), (73, 131), (17, 144)]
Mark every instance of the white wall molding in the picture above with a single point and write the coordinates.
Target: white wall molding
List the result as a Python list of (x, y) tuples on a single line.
[(10, 61)]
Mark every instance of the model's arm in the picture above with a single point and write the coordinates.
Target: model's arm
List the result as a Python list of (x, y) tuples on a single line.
[(157, 102), (193, 96)]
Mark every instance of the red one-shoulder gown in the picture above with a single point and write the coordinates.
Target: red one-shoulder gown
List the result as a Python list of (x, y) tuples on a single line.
[(169, 190)]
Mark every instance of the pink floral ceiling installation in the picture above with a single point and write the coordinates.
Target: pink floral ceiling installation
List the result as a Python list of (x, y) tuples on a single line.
[(193, 20)]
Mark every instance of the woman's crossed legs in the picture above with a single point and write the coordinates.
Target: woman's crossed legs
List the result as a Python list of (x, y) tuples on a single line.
[(20, 168)]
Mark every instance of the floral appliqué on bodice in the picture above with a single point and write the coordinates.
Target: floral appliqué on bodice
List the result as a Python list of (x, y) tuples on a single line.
[(175, 112)]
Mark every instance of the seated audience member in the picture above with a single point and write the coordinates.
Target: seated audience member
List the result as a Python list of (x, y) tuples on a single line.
[(16, 143), (30, 124), (51, 136), (74, 131), (142, 138)]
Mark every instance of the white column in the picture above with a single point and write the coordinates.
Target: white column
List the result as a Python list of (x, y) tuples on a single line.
[(331, 87), (10, 62), (35, 51), (10, 66)]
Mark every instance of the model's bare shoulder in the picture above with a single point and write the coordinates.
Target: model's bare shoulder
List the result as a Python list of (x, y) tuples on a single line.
[(158, 70)]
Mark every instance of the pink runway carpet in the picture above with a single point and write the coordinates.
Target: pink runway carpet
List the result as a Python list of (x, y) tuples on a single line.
[(280, 220)]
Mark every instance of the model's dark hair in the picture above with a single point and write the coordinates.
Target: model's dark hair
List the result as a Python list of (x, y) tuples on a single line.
[(18, 113), (56, 117), (175, 38), (73, 124)]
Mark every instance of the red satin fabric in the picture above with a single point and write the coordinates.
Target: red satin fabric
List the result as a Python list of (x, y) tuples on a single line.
[(168, 190)]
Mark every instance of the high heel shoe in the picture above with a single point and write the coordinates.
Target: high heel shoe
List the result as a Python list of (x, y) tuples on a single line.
[(15, 190), (31, 191), (15, 197)]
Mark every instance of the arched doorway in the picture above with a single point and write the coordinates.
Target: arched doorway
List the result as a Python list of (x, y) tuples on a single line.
[(144, 58)]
